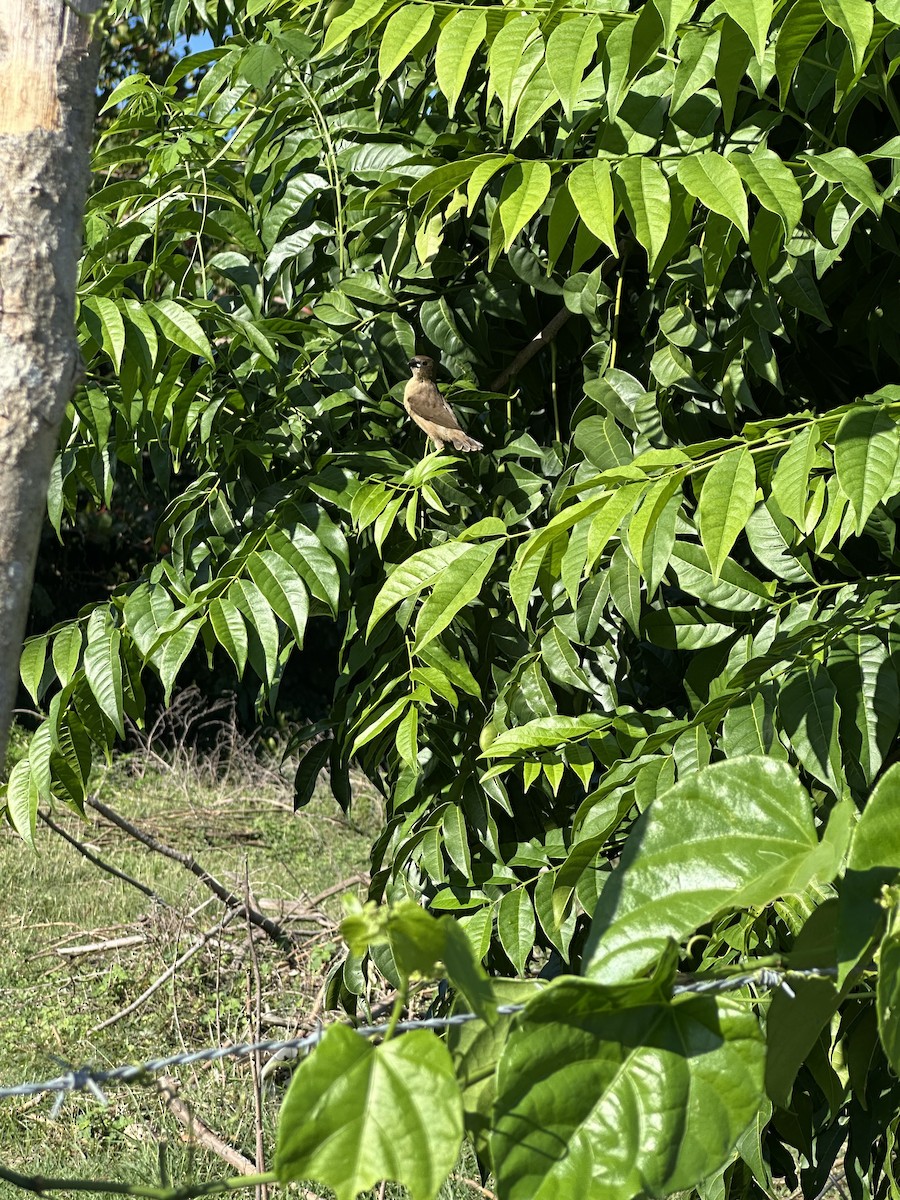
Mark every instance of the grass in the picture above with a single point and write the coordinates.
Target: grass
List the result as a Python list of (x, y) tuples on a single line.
[(235, 816)]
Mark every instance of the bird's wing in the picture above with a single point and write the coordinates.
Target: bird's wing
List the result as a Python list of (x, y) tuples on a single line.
[(424, 401)]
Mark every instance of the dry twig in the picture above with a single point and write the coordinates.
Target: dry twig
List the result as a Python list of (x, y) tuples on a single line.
[(527, 353), (136, 939)]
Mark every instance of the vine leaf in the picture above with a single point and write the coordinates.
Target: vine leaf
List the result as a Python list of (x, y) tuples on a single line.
[(332, 1128), (603, 1093), (751, 839)]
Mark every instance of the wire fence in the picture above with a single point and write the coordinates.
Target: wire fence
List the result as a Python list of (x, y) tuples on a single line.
[(91, 1079)]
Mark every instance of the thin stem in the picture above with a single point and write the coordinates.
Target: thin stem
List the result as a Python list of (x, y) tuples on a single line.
[(41, 1185), (397, 1010)]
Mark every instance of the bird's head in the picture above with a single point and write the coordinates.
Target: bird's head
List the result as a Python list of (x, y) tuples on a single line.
[(422, 366)]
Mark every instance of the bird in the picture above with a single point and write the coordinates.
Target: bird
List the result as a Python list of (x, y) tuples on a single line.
[(430, 411)]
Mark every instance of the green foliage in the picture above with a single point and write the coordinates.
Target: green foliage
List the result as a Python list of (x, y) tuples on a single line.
[(566, 660)]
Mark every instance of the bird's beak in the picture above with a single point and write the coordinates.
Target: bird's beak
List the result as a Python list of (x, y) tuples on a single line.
[(412, 364)]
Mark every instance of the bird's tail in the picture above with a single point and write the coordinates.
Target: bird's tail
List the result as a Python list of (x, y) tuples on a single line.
[(462, 441)]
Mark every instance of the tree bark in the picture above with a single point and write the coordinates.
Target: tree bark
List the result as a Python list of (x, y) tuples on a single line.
[(48, 84)]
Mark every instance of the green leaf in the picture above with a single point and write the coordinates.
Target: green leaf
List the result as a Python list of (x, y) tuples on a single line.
[(866, 450), (525, 188), (543, 732), (22, 799), (283, 589), (752, 839), (406, 738), (180, 326), (795, 1022), (646, 201), (808, 708), (456, 839), (148, 609), (873, 862), (887, 992), (601, 1097), (103, 669), (332, 1131), (306, 553), (716, 183), (412, 575), (790, 484), (31, 665), (855, 19), (590, 186), (698, 51), (539, 96), (749, 727), (868, 694), (230, 631), (651, 531), (513, 58), (459, 40), (679, 628), (754, 17), (570, 50), (402, 34), (735, 53), (771, 537), (735, 589), (258, 614), (726, 501), (109, 324), (773, 184), (848, 169), (171, 655), (516, 927), (457, 586), (481, 176), (66, 652), (800, 26), (308, 769), (625, 588), (673, 13), (259, 63), (359, 14), (374, 721)]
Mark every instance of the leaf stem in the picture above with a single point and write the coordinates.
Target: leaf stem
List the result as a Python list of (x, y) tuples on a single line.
[(397, 1011)]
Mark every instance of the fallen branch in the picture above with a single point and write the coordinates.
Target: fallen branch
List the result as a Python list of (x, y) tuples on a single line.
[(198, 1131), (527, 353), (272, 928), (98, 862)]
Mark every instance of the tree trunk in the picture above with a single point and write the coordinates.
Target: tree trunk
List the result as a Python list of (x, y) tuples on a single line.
[(48, 86)]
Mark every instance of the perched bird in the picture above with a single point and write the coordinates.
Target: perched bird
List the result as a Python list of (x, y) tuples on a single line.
[(430, 411)]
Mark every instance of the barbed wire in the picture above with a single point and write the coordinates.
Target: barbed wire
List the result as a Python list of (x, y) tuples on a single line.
[(91, 1079)]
